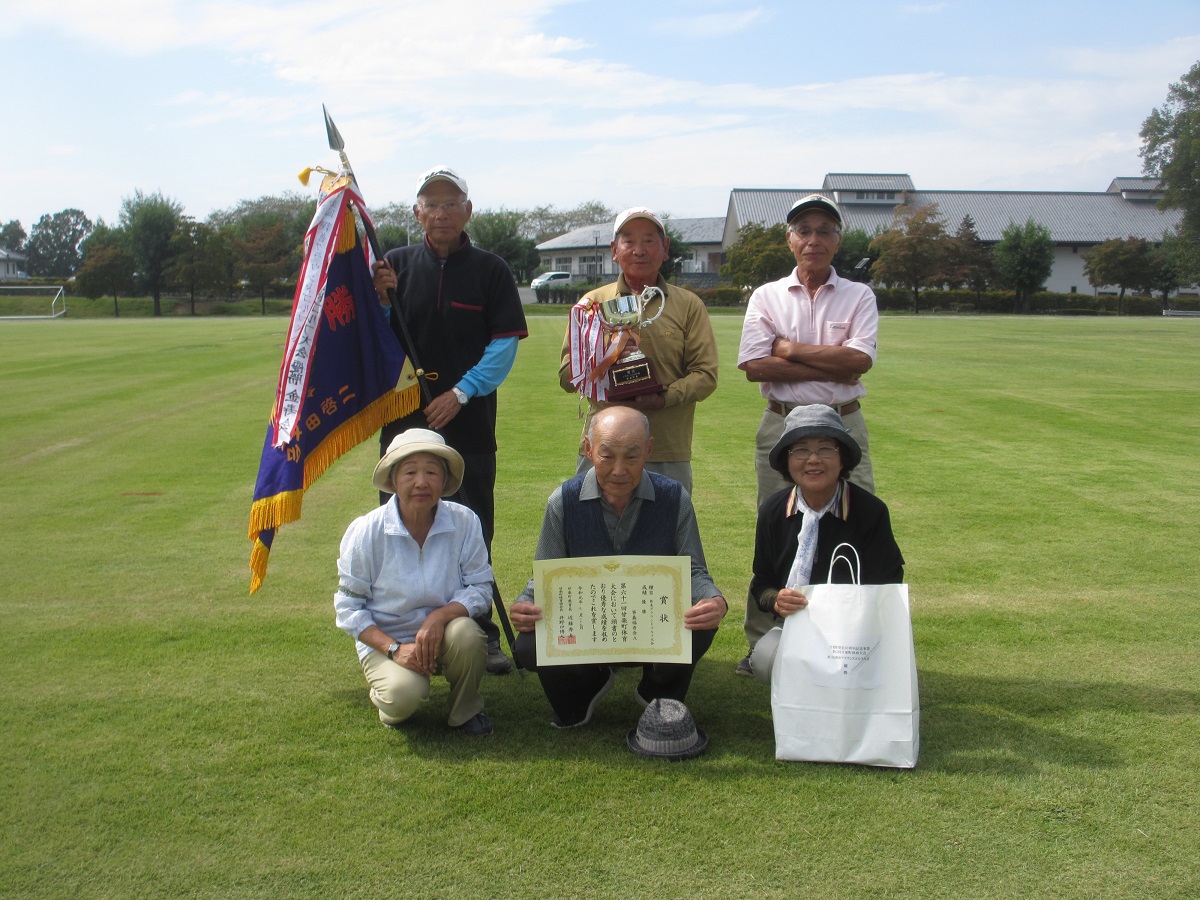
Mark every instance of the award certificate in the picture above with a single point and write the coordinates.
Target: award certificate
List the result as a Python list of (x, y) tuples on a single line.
[(613, 609)]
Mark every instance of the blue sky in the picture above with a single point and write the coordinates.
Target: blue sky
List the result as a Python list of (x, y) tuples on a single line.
[(667, 104)]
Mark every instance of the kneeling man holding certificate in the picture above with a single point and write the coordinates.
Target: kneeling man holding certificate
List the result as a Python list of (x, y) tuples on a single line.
[(601, 518)]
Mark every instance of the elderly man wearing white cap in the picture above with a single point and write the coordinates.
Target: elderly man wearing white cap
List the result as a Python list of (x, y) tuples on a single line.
[(679, 343), (464, 316), (807, 339)]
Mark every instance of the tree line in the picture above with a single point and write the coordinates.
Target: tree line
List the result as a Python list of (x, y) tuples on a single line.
[(254, 247), (918, 254), (257, 244)]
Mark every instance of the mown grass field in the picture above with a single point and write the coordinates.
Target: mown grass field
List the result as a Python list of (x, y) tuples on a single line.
[(164, 734)]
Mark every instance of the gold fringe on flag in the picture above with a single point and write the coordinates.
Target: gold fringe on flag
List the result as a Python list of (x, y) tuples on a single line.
[(271, 512), (278, 510)]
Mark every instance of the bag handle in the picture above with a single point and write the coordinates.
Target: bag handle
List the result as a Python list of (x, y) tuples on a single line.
[(855, 567)]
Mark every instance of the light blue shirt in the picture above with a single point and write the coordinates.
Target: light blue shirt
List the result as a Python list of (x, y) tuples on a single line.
[(491, 370), (387, 580)]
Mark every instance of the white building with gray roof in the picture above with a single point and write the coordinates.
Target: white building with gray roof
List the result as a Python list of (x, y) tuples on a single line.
[(12, 264), (1077, 221), (585, 252)]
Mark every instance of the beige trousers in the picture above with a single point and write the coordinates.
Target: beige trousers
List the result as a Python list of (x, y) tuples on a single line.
[(397, 692)]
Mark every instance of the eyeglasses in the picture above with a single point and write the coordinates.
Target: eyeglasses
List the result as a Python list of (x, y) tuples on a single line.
[(449, 206), (824, 234), (822, 453)]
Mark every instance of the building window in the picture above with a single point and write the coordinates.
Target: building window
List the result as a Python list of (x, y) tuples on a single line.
[(590, 265), (562, 264)]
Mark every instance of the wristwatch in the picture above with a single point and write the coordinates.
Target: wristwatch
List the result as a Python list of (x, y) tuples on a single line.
[(393, 648), (461, 395)]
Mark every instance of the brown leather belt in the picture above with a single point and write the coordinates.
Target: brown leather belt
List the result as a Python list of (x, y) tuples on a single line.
[(782, 409)]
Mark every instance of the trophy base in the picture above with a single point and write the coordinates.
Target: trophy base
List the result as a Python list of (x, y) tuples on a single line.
[(632, 378)]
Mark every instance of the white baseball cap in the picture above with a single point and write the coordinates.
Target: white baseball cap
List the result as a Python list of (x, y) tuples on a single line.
[(441, 173), (636, 212)]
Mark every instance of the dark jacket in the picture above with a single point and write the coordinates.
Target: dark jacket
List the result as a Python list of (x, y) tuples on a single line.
[(453, 309), (867, 527)]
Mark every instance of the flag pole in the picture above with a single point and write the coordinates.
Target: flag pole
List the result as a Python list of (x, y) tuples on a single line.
[(336, 142)]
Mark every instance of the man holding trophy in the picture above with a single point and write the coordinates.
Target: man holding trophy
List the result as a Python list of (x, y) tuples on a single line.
[(643, 343)]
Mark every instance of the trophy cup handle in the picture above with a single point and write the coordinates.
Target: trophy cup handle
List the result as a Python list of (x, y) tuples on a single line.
[(646, 296)]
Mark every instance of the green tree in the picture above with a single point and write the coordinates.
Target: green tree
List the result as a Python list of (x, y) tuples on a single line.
[(969, 262), (53, 245), (1174, 262), (1024, 258), (1125, 263), (107, 265), (1171, 149), (12, 236), (913, 252), (391, 236), (293, 209), (680, 251), (544, 222), (761, 254), (150, 222), (854, 248), (264, 252), (395, 226), (500, 232), (201, 259)]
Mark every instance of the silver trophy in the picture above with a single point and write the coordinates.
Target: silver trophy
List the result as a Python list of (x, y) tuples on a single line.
[(632, 373)]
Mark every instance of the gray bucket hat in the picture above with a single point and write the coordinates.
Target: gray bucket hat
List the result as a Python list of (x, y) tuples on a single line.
[(813, 420), (666, 731)]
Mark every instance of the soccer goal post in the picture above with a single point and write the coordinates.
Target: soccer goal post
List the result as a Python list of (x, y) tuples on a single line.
[(45, 301)]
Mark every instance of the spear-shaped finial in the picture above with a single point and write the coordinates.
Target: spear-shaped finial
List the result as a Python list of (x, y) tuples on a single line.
[(335, 140)]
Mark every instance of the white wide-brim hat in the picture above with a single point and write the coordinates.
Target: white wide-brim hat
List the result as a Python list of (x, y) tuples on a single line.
[(418, 440)]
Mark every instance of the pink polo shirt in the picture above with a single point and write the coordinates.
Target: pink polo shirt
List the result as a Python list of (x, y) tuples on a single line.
[(843, 313)]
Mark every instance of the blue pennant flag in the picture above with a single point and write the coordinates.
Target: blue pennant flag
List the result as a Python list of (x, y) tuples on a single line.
[(343, 376)]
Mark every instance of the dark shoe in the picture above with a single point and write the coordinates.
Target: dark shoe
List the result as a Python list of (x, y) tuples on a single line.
[(587, 716), (744, 667), (476, 726), (497, 662)]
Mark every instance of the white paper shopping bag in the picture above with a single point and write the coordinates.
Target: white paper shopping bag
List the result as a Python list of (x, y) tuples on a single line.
[(844, 680)]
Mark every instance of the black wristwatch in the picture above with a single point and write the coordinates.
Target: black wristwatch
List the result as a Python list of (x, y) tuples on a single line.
[(393, 648)]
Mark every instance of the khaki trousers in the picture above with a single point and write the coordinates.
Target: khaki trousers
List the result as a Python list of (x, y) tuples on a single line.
[(397, 692)]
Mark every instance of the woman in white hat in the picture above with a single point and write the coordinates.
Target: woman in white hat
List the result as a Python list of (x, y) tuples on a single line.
[(799, 527), (411, 576)]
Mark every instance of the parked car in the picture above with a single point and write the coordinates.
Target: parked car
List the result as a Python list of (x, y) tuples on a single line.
[(550, 279)]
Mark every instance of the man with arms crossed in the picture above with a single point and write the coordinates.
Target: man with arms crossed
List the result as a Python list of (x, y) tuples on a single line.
[(807, 338)]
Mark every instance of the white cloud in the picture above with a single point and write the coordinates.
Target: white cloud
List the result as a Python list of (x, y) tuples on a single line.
[(713, 24), (533, 114)]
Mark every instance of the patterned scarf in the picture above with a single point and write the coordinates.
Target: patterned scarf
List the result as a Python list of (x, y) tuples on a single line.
[(806, 543)]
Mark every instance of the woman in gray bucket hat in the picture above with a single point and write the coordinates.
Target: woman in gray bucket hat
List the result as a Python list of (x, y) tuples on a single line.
[(799, 527)]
